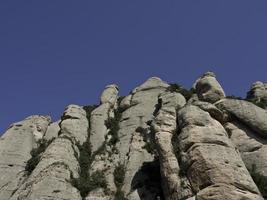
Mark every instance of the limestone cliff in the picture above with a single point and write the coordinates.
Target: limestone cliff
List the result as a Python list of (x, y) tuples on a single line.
[(161, 142)]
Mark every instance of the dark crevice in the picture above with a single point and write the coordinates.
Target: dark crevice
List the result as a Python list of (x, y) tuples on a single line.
[(147, 181)]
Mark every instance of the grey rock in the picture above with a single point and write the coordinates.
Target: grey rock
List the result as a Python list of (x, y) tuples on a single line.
[(51, 179), (258, 91), (98, 129), (52, 131), (144, 100), (110, 94), (164, 125), (208, 156), (151, 83), (74, 123), (15, 147), (211, 109), (252, 147), (208, 88), (248, 113), (99, 116)]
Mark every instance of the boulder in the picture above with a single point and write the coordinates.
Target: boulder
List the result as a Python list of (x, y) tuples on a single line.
[(208, 88), (109, 95)]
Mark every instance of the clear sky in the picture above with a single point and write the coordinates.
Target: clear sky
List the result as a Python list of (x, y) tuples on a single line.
[(54, 53)]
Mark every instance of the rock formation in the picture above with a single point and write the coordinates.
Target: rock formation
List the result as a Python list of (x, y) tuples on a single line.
[(161, 142)]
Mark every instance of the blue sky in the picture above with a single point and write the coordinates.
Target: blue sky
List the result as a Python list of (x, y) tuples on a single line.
[(54, 53)]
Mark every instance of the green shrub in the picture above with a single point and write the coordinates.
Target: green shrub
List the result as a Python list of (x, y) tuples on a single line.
[(113, 124), (86, 182), (261, 103), (36, 155), (174, 87), (119, 176), (260, 180), (234, 97)]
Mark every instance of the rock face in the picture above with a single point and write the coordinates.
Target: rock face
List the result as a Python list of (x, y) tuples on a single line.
[(208, 88), (151, 144), (248, 113), (252, 147), (15, 147), (209, 158), (258, 91)]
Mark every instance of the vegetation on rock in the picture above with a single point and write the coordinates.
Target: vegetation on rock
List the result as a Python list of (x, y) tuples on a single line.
[(86, 181), (119, 176), (147, 138), (113, 125), (174, 87), (36, 155)]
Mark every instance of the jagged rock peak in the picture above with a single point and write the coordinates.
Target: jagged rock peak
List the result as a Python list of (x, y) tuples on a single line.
[(159, 142)]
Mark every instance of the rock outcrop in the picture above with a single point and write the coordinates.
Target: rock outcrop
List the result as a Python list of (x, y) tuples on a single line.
[(208, 88), (160, 142), (258, 91), (248, 113), (15, 148)]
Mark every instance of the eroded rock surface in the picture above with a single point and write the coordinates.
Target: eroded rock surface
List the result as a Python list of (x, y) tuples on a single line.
[(209, 158), (248, 113), (164, 125), (253, 147), (15, 147), (51, 179), (258, 91), (208, 88), (151, 144)]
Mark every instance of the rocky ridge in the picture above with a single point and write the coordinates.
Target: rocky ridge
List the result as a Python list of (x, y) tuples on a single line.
[(160, 142)]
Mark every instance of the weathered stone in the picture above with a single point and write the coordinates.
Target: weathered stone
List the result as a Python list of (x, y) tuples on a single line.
[(15, 147), (151, 144), (99, 116), (226, 192), (52, 131), (74, 123), (98, 129), (258, 91), (144, 100), (110, 94), (248, 113), (97, 194), (151, 83), (211, 109), (208, 157), (164, 125), (208, 88), (51, 179), (252, 147)]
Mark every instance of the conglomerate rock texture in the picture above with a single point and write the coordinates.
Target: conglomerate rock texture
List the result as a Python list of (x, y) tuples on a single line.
[(160, 142)]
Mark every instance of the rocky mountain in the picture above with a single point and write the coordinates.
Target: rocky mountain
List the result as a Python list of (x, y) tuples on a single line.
[(161, 142)]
